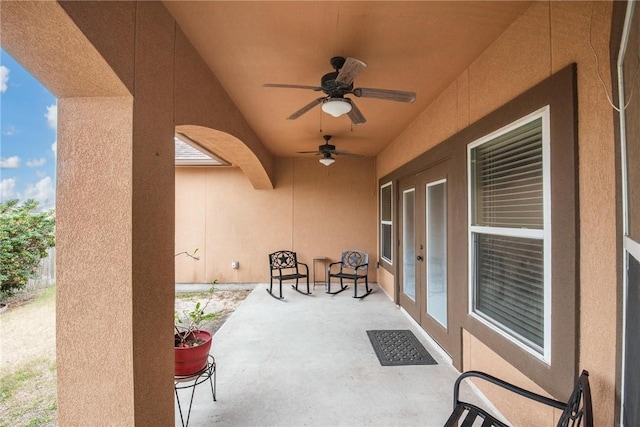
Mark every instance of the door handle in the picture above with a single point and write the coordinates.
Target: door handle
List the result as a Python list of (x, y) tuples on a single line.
[(419, 258)]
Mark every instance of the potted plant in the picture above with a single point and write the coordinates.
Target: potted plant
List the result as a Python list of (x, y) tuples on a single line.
[(192, 344)]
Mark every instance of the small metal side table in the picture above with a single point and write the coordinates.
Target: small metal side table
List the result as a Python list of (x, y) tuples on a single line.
[(319, 260), (191, 381)]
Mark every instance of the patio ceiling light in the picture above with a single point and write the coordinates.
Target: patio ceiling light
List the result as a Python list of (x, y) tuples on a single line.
[(336, 106)]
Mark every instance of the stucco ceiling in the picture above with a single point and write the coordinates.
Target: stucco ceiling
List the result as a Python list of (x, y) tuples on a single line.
[(412, 46)]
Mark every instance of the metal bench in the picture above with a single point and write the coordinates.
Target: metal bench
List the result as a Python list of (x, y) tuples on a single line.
[(576, 412)]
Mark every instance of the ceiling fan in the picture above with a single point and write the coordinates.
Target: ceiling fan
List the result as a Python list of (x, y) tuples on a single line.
[(327, 151), (339, 83)]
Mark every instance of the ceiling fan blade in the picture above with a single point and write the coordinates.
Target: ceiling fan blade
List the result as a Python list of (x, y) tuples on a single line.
[(346, 153), (309, 152), (287, 86), (356, 116), (351, 68), (306, 108), (386, 94)]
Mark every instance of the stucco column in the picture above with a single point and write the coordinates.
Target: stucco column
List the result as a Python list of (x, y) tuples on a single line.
[(115, 235)]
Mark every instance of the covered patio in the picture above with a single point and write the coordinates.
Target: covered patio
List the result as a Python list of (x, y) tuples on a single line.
[(131, 75), (308, 361)]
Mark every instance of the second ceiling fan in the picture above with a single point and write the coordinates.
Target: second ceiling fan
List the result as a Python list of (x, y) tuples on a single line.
[(327, 151), (339, 83)]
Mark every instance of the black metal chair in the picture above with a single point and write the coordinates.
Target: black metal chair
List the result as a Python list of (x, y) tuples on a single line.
[(284, 265), (354, 265), (576, 412)]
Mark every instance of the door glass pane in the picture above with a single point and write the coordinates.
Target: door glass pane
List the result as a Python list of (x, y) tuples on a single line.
[(437, 252), (408, 244)]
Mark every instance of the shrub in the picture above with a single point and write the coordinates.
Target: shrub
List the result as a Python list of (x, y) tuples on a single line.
[(25, 236)]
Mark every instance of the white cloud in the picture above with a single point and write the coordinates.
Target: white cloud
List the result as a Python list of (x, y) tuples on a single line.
[(54, 148), (8, 189), (44, 192), (52, 116), (36, 163), (10, 131), (10, 162), (4, 78)]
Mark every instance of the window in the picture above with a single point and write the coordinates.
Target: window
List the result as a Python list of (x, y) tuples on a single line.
[(509, 232), (629, 125), (386, 222)]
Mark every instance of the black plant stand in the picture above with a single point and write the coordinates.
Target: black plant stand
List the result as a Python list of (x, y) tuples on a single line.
[(207, 373)]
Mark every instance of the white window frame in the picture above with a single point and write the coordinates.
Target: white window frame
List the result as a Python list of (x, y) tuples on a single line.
[(389, 223), (544, 234)]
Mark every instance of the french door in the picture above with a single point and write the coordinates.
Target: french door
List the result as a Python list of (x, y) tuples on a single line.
[(424, 261)]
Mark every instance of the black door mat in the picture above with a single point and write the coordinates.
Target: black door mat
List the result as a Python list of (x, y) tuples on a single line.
[(398, 348)]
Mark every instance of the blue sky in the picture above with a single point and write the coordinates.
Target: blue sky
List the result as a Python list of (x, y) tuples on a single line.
[(28, 146)]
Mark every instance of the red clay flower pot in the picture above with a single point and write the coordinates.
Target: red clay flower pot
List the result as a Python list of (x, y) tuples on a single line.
[(189, 360)]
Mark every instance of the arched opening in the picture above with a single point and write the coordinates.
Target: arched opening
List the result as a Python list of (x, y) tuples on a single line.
[(231, 149)]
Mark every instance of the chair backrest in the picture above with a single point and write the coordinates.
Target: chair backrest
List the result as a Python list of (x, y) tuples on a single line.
[(353, 259), (579, 411), (283, 259)]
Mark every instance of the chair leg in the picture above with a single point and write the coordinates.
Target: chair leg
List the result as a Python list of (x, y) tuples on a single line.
[(270, 290), (355, 290), (342, 287), (296, 287)]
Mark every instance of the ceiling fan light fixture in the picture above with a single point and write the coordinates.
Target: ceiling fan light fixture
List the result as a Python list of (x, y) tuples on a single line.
[(336, 106), (327, 161)]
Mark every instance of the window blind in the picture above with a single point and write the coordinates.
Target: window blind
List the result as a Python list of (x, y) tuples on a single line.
[(508, 179), (509, 284), (385, 203), (385, 221), (385, 238)]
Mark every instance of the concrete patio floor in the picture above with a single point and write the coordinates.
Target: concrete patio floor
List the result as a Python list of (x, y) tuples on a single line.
[(307, 361)]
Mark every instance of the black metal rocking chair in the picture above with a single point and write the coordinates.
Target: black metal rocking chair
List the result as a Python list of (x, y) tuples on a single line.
[(576, 412), (354, 265), (284, 265)]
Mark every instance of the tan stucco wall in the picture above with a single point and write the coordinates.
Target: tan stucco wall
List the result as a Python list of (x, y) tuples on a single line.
[(314, 210), (202, 102), (385, 280), (111, 66), (548, 37)]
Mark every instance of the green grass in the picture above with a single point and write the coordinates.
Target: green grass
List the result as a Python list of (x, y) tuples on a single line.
[(46, 296), (28, 395), (14, 381), (28, 382)]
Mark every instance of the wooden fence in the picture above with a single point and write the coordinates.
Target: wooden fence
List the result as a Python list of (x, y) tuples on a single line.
[(46, 272)]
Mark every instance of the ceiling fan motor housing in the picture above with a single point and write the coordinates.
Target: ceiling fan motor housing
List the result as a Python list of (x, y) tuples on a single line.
[(326, 148), (332, 87)]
